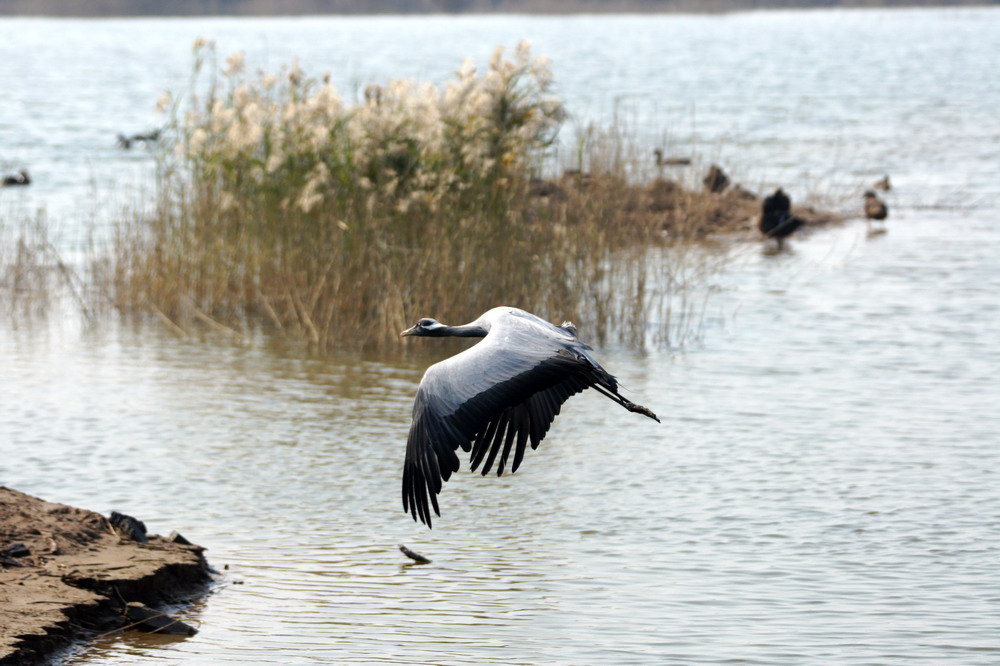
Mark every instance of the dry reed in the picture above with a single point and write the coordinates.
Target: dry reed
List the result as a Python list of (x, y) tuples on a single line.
[(33, 275), (339, 224)]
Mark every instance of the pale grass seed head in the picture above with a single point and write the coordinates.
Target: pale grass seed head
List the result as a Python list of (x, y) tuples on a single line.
[(234, 64), (165, 103), (196, 144), (419, 141)]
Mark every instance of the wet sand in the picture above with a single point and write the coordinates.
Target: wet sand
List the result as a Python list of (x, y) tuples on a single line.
[(68, 574)]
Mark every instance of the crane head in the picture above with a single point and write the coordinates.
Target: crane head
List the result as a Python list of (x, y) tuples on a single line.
[(425, 326)]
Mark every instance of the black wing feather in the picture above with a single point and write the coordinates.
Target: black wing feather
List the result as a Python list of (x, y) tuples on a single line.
[(507, 442), (501, 432)]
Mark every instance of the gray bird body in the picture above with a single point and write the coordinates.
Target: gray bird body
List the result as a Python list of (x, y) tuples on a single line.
[(494, 398), (516, 341)]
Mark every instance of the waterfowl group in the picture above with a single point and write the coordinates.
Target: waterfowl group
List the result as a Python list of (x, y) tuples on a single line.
[(124, 142), (778, 222)]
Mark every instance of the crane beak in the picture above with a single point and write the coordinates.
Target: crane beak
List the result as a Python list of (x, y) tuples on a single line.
[(410, 331)]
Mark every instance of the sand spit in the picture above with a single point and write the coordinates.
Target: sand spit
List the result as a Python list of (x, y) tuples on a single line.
[(68, 574)]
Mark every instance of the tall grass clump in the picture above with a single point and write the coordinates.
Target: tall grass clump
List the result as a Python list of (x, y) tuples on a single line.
[(339, 221)]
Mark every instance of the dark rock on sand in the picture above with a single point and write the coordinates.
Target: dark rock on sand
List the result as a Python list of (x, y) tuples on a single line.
[(15, 550), (128, 527), (147, 619)]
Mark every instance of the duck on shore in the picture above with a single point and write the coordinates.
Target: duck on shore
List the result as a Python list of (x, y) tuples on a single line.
[(776, 219), (715, 180), (875, 208)]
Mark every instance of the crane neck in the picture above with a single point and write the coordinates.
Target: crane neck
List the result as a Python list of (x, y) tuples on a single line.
[(464, 331)]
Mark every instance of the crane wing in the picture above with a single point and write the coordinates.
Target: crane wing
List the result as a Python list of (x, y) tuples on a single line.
[(492, 400)]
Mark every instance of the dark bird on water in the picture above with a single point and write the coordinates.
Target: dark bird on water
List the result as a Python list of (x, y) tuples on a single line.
[(776, 219), (125, 142), (19, 178), (883, 184), (774, 209), (875, 208), (494, 398), (662, 161)]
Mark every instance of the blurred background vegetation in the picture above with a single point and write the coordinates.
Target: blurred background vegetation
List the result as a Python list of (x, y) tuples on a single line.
[(303, 7)]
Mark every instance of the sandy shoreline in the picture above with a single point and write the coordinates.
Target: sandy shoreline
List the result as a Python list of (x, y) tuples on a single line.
[(66, 575)]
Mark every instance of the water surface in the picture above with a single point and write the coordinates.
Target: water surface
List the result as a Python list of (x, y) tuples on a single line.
[(823, 487)]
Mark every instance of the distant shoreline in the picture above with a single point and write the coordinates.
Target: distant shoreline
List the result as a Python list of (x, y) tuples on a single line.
[(144, 8)]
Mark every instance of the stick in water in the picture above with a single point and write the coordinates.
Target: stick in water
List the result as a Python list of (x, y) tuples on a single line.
[(416, 557)]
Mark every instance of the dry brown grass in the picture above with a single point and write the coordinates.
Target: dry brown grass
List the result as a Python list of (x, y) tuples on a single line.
[(592, 248), (33, 275), (339, 224)]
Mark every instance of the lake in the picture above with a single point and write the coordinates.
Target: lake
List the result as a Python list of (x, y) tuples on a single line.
[(824, 487)]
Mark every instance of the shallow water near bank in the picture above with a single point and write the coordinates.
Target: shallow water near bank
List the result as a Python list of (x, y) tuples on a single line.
[(823, 486)]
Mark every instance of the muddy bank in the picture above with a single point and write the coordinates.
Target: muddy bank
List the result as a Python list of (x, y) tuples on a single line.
[(68, 574)]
